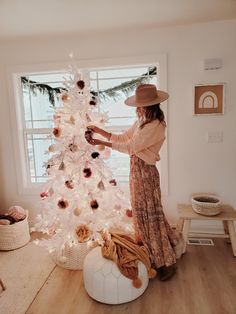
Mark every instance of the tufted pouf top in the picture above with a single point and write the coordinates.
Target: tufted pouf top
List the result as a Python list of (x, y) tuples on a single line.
[(104, 282)]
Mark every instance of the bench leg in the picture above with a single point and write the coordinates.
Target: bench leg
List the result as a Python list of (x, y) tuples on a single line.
[(226, 230), (2, 285), (180, 224), (232, 235), (186, 226)]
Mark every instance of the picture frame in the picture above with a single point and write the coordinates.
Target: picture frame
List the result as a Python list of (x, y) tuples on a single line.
[(209, 99)]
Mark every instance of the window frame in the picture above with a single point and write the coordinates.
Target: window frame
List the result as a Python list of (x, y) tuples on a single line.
[(25, 187)]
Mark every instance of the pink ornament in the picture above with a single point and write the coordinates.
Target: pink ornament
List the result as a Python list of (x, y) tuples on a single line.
[(17, 212), (43, 195), (106, 153)]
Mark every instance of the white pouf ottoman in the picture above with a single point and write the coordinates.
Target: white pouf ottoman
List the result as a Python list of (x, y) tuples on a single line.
[(104, 282)]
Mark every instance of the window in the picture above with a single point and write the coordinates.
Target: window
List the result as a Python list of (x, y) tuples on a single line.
[(112, 86), (32, 110)]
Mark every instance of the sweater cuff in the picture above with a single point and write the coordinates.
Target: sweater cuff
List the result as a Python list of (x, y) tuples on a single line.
[(120, 147)]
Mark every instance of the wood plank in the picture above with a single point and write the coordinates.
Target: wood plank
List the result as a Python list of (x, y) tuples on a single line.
[(186, 211), (205, 283)]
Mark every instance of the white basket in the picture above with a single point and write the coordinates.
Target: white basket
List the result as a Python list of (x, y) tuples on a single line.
[(14, 236), (71, 257), (206, 204)]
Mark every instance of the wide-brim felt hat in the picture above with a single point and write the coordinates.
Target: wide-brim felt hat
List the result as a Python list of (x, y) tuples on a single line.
[(146, 95)]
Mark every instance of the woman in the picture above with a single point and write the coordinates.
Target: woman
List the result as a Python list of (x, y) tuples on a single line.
[(143, 142)]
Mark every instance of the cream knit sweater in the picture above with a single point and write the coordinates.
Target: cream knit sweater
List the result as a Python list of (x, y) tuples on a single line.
[(145, 143)]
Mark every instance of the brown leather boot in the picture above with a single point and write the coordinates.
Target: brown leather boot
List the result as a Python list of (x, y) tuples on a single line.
[(166, 272)]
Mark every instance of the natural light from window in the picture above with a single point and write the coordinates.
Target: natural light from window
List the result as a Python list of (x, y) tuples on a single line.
[(112, 85)]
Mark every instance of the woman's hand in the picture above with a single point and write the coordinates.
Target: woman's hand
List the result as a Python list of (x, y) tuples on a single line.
[(94, 141), (102, 132), (95, 129)]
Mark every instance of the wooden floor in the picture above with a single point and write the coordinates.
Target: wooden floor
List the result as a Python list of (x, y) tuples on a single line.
[(205, 283)]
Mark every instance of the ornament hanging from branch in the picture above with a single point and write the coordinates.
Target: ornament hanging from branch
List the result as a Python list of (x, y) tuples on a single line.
[(95, 155), (80, 84), (87, 172), (94, 204), (62, 203), (57, 132)]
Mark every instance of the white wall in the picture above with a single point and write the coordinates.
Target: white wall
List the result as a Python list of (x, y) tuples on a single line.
[(194, 165)]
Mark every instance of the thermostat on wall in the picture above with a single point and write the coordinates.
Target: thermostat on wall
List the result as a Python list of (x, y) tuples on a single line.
[(212, 64)]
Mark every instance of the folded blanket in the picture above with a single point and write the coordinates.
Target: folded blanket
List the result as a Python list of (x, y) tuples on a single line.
[(126, 253)]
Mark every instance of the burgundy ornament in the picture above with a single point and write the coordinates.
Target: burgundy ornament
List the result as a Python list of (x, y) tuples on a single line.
[(87, 172), (95, 155), (94, 204), (129, 213), (80, 84)]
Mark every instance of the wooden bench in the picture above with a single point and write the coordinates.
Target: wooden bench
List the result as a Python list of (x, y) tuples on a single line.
[(227, 216)]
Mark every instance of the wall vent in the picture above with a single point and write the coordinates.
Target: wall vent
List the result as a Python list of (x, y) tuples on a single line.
[(200, 242)]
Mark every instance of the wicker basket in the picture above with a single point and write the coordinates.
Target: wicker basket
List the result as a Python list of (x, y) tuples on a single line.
[(206, 204), (71, 257), (14, 236)]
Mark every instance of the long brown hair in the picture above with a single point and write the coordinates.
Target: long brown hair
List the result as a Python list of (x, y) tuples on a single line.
[(152, 113)]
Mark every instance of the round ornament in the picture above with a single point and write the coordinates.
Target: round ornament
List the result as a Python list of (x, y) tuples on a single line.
[(95, 155), (65, 97), (87, 172), (57, 132), (77, 211), (62, 203), (80, 84), (52, 148), (94, 204), (129, 213), (101, 147)]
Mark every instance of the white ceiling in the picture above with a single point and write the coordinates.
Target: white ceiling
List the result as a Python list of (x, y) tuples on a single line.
[(31, 18)]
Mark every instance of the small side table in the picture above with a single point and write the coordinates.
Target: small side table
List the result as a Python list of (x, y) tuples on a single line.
[(227, 216)]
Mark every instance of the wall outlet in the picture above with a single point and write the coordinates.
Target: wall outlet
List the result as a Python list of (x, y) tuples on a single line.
[(215, 137)]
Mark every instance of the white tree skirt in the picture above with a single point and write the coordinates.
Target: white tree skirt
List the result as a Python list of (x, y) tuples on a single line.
[(23, 272)]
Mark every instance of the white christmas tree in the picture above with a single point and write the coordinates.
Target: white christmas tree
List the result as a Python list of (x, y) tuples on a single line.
[(81, 197)]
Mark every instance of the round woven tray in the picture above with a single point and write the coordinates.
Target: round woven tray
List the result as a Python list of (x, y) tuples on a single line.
[(205, 204)]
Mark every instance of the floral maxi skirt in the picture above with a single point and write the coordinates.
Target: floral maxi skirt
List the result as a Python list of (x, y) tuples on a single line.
[(151, 226)]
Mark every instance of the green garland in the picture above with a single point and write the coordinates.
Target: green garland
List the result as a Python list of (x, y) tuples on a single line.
[(110, 93)]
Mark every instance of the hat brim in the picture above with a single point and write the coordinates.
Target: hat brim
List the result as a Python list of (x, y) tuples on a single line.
[(132, 101)]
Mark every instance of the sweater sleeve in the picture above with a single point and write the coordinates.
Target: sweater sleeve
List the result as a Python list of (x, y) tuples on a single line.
[(149, 135), (123, 137)]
